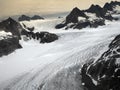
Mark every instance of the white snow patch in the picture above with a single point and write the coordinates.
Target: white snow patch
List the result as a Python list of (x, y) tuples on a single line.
[(117, 8), (117, 61), (4, 34), (81, 18), (91, 16)]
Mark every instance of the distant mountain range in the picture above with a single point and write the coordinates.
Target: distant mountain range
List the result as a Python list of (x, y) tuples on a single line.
[(92, 17)]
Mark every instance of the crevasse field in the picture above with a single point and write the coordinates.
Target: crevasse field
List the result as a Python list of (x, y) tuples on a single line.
[(56, 65)]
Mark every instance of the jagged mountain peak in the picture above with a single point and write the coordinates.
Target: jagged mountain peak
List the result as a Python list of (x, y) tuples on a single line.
[(76, 9), (10, 25), (114, 3), (98, 10), (74, 14), (8, 20), (35, 17), (108, 6), (94, 7)]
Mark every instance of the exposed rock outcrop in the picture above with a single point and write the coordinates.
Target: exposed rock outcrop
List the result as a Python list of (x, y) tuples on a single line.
[(10, 25), (83, 18), (94, 23), (27, 18), (72, 21), (73, 16), (36, 17), (24, 18), (99, 11), (44, 37), (110, 6), (104, 73), (8, 45)]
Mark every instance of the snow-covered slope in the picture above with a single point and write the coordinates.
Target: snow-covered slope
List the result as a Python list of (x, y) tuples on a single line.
[(47, 66), (4, 34), (42, 25)]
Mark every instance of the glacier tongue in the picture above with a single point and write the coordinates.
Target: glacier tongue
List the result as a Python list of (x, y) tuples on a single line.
[(55, 65)]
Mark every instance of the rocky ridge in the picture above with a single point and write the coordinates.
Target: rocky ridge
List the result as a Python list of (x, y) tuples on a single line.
[(104, 73), (27, 18), (92, 17)]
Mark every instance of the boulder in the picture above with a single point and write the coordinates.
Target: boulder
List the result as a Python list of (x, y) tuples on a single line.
[(104, 73)]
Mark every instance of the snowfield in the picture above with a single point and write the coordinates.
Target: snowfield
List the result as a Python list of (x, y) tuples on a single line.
[(4, 34), (54, 66)]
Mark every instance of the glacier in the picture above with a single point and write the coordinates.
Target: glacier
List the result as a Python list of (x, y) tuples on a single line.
[(56, 65)]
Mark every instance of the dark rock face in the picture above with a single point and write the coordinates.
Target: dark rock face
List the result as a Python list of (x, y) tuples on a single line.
[(99, 11), (9, 45), (24, 18), (47, 37), (114, 3), (104, 74), (10, 25), (81, 25), (60, 26), (102, 14), (110, 6), (73, 16), (44, 37), (35, 17), (94, 24), (27, 18)]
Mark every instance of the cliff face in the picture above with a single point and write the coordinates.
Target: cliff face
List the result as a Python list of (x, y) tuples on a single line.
[(104, 73), (9, 45), (9, 36), (10, 25), (92, 17)]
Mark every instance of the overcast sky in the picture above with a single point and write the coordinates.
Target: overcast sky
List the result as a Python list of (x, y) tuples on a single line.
[(16, 7)]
